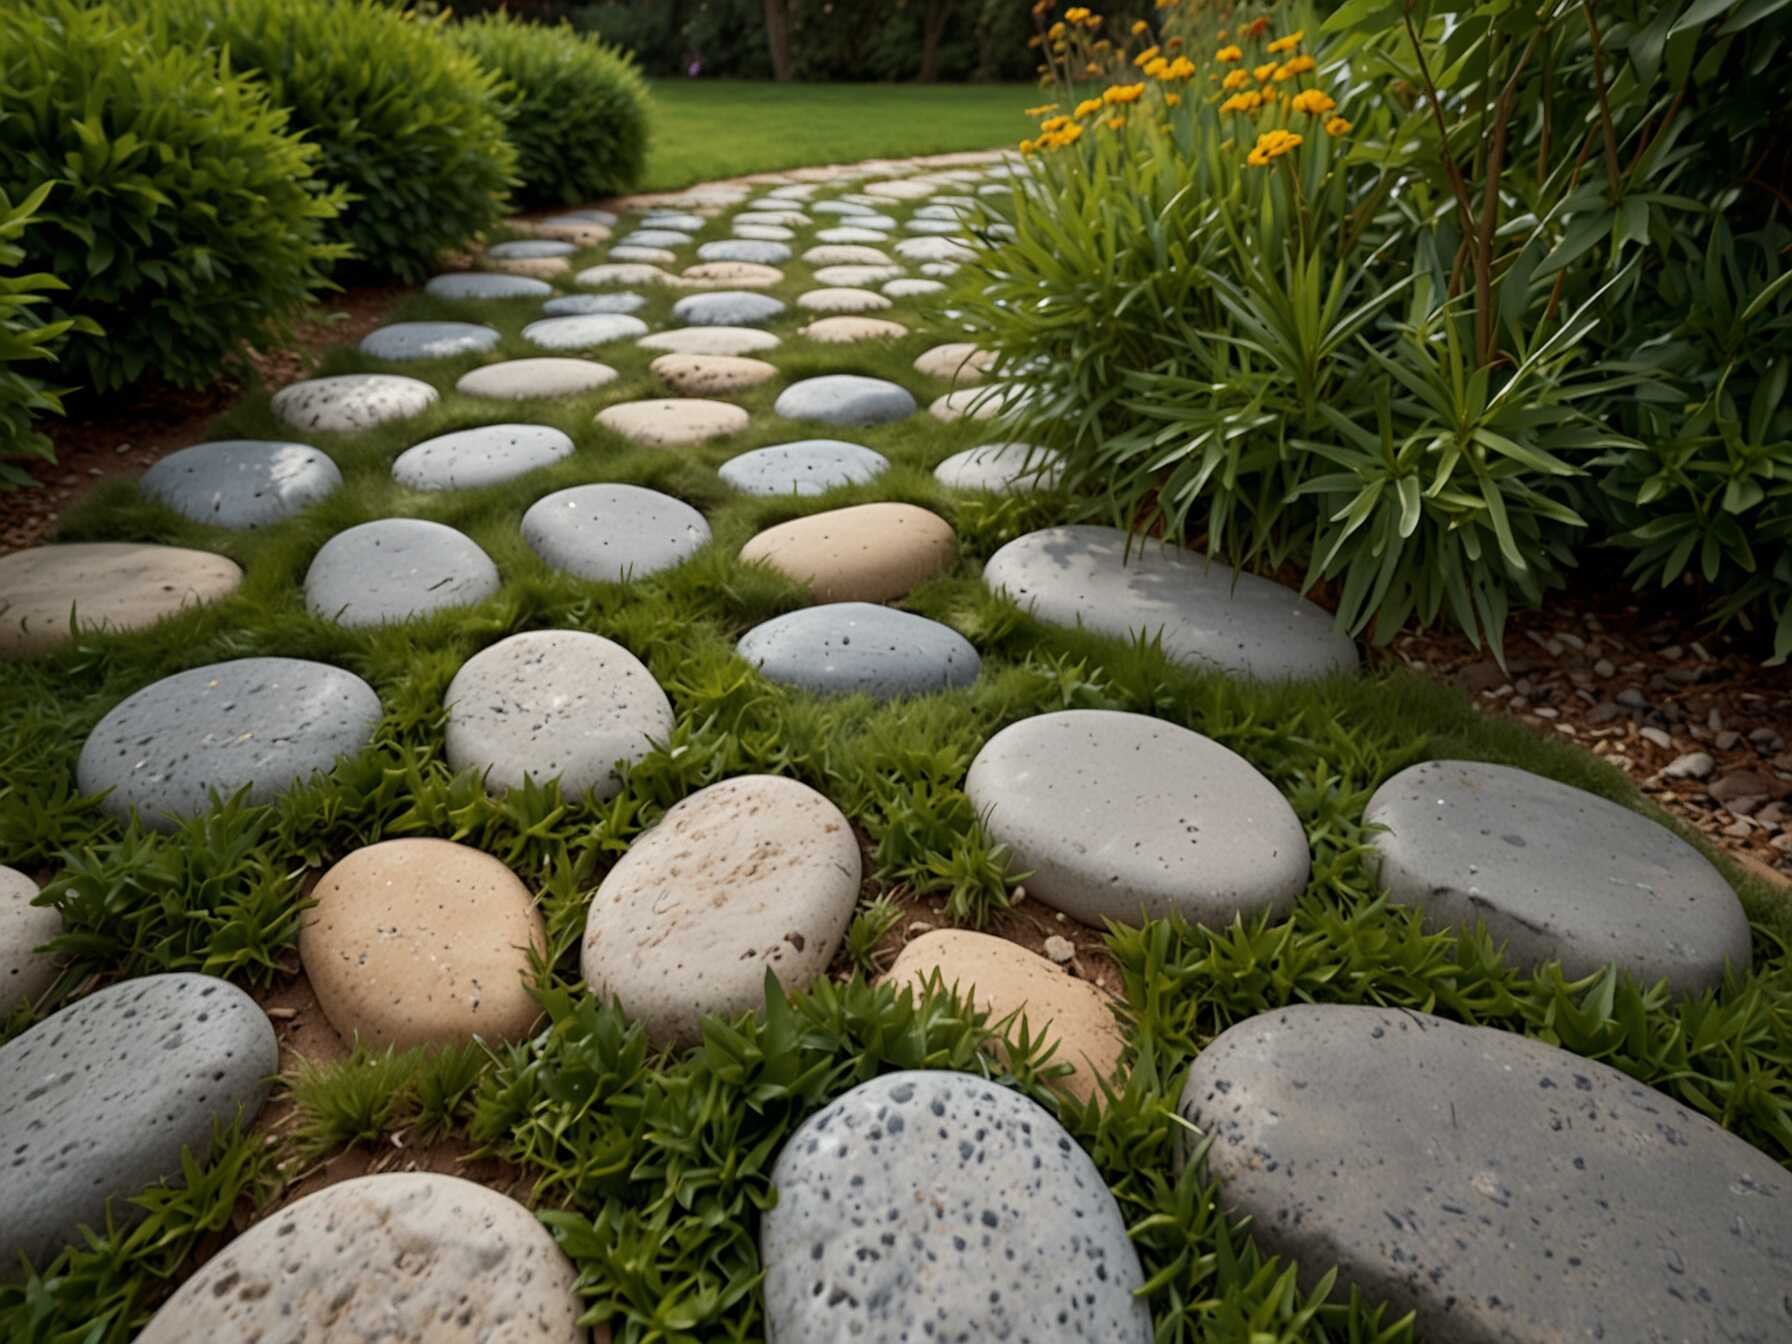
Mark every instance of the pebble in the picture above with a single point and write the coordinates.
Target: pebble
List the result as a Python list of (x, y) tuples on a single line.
[(1656, 736), (845, 399), (486, 285), (847, 330), (979, 403), (859, 648), (25, 973), (587, 305), (727, 308), (865, 553), (530, 249), (394, 569), (613, 533), (958, 362), (841, 300), (621, 273), (711, 375), (1061, 950), (470, 458), (710, 341), (1005, 468), (845, 254), (805, 467), (427, 340), (352, 401), (670, 421), (745, 249), (546, 376), (736, 274), (109, 585), (241, 484), (1693, 765), (582, 333), (911, 288)]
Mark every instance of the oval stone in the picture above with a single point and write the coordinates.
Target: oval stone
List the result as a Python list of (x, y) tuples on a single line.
[(845, 254), (1126, 817), (745, 249), (958, 362), (727, 308), (547, 376), (677, 220), (394, 569), (866, 553), (1005, 468), (669, 421), (841, 300), (934, 249), (845, 399), (709, 341), (911, 288), (979, 403), (764, 233), (621, 273), (98, 1100), (585, 305), (847, 330), (427, 340), (859, 278), (657, 238), (241, 484), (806, 467), (108, 585), (581, 333), (854, 648), (711, 375), (530, 249), (838, 207), (935, 1205), (933, 226), (25, 972), (849, 234), (351, 401), (470, 458), (755, 873), (1502, 1189), (731, 274), (487, 285), (789, 219), (612, 533), (629, 252)]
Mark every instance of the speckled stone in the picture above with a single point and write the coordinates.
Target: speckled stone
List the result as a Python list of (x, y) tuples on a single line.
[(847, 330), (582, 333), (487, 285), (25, 972), (97, 1101), (727, 308), (621, 273), (671, 421), (789, 219), (948, 250), (866, 553), (744, 249), (711, 375), (539, 268), (241, 484), (849, 234), (658, 256), (859, 278), (1502, 1189), (911, 288), (1208, 617), (427, 340), (110, 585), (986, 402), (764, 233), (530, 249), (805, 467), (959, 362), (842, 254), (398, 1256), (844, 208), (394, 569), (1555, 873), (755, 873), (655, 238), (579, 232), (1117, 814), (350, 401), (586, 305), (936, 1205), (1005, 468), (677, 220), (611, 533), (838, 300), (262, 722), (730, 274), (470, 458), (546, 376), (422, 942), (710, 341), (851, 648), (845, 399)]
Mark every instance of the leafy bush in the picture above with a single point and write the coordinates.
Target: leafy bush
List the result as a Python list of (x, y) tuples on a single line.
[(24, 337), (185, 220), (577, 113)]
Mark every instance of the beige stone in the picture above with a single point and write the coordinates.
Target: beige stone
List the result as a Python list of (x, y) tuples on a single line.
[(960, 362), (841, 300), (711, 375), (901, 189), (422, 942), (24, 972), (846, 330), (623, 273), (866, 553), (1009, 979), (978, 403), (730, 275), (846, 254), (709, 340), (581, 233), (109, 584), (542, 268), (673, 420)]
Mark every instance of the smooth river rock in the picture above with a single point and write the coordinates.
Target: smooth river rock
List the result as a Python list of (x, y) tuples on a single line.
[(667, 422), (805, 467), (427, 340), (730, 275), (584, 305), (346, 402), (106, 585), (745, 249), (846, 254), (395, 569), (727, 308), (957, 362), (470, 458), (711, 375), (849, 330), (530, 249), (25, 972), (487, 285), (612, 533), (845, 399), (523, 379), (710, 341), (865, 553), (841, 299), (583, 332), (1004, 468), (241, 484), (852, 648)]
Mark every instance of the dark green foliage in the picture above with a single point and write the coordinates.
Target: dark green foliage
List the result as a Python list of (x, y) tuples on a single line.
[(423, 1093), (25, 337)]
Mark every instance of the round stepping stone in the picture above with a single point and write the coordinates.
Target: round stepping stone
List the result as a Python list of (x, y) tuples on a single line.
[(755, 873), (846, 330), (1500, 1188), (854, 648), (980, 403), (805, 467), (402, 1255), (1008, 979), (25, 972), (530, 249), (521, 379), (670, 421), (959, 362), (674, 220), (241, 484), (428, 340), (486, 285), (394, 569), (727, 308), (621, 273), (611, 533), (849, 234), (471, 458), (912, 288), (1206, 615), (940, 270), (97, 1101), (745, 249), (422, 942), (1005, 468), (841, 300), (351, 401), (655, 238), (901, 189), (710, 341), (837, 207), (584, 305), (579, 232), (951, 210), (933, 227), (764, 233), (605, 217), (732, 273), (108, 585), (711, 375), (795, 191), (856, 277), (938, 1205), (846, 255), (657, 255), (1123, 816), (1555, 873), (539, 268), (262, 722), (866, 553), (845, 399), (582, 333), (788, 219)]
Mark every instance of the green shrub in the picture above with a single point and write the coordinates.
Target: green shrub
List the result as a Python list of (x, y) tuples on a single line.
[(186, 220), (24, 337), (577, 113)]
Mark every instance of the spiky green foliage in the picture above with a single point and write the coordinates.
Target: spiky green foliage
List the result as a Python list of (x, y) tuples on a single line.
[(26, 337)]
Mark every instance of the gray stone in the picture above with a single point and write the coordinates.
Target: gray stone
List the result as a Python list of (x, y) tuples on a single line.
[(913, 288), (1121, 815), (846, 254), (1208, 616), (840, 208), (942, 1206), (547, 376), (582, 333), (607, 218), (98, 1100), (805, 467), (470, 458), (655, 238), (394, 569), (745, 249), (940, 270), (1506, 1191), (613, 533), (839, 299), (953, 209), (946, 250), (710, 340), (25, 972), (857, 277), (674, 220), (727, 308), (660, 256), (938, 228), (848, 648), (241, 484), (788, 219), (849, 234), (486, 285), (764, 233), (1006, 468), (1693, 765), (530, 249), (621, 273), (1556, 874), (845, 399), (428, 340), (351, 401), (587, 305), (262, 722)]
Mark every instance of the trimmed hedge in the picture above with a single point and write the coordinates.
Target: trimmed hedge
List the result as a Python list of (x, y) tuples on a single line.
[(25, 337)]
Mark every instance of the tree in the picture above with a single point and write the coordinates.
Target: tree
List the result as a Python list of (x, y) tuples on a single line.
[(934, 14), (777, 35)]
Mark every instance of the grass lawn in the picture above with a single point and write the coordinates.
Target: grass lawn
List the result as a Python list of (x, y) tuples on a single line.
[(711, 128)]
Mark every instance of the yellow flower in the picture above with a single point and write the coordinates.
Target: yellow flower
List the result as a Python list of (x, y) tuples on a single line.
[(1103, 45), (1124, 93), (1288, 43), (1182, 68), (1116, 123), (1243, 102), (1088, 107), (1298, 66), (1337, 126), (1041, 110), (1173, 99), (1265, 73), (1054, 124), (1268, 93), (1271, 145), (1068, 136), (1237, 79), (1226, 55), (1094, 68), (1055, 32), (1313, 101), (1028, 146), (1145, 57), (1140, 26), (1076, 14)]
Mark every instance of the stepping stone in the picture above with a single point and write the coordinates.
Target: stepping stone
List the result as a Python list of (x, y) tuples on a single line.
[(911, 288), (787, 219), (744, 249), (959, 362), (806, 467), (901, 189), (845, 399), (950, 210), (657, 255), (605, 217), (933, 227), (621, 273), (841, 300), (865, 553), (579, 232), (757, 873), (1123, 816), (727, 308), (486, 285), (854, 648), (659, 239), (428, 340), (554, 704), (770, 202), (670, 421), (1005, 468), (422, 942), (856, 277), (470, 458), (1207, 616), (849, 233), (940, 270), (731, 273), (796, 191), (540, 268), (266, 723), (938, 1205), (838, 207), (97, 1101), (1008, 979), (1500, 1188), (396, 569), (883, 225), (402, 1255), (844, 255), (710, 341), (582, 333), (530, 249), (848, 330), (351, 401), (241, 484), (548, 376), (25, 973), (764, 233), (613, 533), (108, 585), (585, 305), (679, 222), (987, 402), (1556, 874), (711, 375)]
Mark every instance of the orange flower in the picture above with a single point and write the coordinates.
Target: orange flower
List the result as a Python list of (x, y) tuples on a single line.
[(1237, 79), (1123, 93), (1337, 126), (1272, 145), (1116, 123), (1227, 55), (1173, 99), (1312, 101), (1288, 43), (1243, 102), (1298, 66), (1265, 73)]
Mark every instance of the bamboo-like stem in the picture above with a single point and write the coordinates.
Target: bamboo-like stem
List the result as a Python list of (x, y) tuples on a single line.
[(1605, 107)]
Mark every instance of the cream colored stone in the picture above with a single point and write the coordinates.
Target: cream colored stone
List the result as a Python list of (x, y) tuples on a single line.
[(709, 340), (846, 254), (960, 362), (579, 232), (711, 375), (24, 971), (673, 420), (979, 403), (542, 268), (110, 584), (846, 330), (730, 275), (841, 300), (866, 553)]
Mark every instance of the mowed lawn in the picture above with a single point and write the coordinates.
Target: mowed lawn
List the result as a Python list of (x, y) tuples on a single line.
[(711, 128)]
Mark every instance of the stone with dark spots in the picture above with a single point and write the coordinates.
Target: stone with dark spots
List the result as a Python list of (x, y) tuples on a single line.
[(804, 467), (852, 648), (487, 285), (395, 569), (427, 340), (241, 484), (487, 455), (611, 533)]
